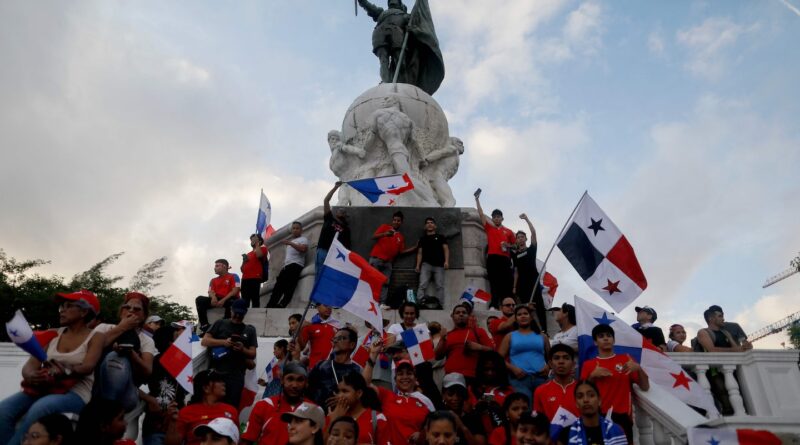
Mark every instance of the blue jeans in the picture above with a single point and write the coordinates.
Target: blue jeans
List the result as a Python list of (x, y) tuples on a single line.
[(154, 439), (320, 259), (115, 381), (527, 385), (33, 409)]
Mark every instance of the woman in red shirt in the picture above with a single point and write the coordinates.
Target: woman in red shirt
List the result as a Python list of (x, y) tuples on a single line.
[(514, 407), (357, 400), (205, 406), (405, 409)]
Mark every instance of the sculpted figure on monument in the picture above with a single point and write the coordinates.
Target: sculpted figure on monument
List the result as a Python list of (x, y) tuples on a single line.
[(343, 163), (394, 129), (421, 64), (439, 166)]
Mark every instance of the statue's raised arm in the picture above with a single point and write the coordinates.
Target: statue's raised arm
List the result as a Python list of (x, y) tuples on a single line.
[(373, 11)]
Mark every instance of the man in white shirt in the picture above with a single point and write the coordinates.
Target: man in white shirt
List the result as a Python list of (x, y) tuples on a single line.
[(293, 264), (568, 333)]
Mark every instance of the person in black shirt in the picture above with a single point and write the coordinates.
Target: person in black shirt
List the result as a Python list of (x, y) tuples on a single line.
[(433, 257), (454, 395), (645, 317), (526, 274), (231, 346), (332, 223)]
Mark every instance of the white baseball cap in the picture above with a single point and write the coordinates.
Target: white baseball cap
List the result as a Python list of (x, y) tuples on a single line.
[(222, 426)]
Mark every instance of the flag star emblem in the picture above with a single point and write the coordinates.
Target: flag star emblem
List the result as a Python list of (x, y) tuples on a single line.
[(13, 333), (563, 418), (604, 319), (596, 226), (190, 379), (613, 286), (372, 308), (392, 187), (391, 202), (680, 380), (340, 254), (713, 441)]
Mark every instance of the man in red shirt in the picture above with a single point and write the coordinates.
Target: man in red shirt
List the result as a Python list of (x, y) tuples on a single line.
[(614, 374), (561, 390), (501, 326), (500, 240), (264, 427), (389, 243), (254, 265), (222, 290), (319, 334), (462, 344)]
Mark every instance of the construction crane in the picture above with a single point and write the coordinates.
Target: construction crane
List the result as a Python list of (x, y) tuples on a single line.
[(774, 328), (795, 268)]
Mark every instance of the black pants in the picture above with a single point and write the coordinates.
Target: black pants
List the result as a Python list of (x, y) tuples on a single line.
[(284, 285), (501, 278), (251, 291), (203, 304), (234, 383)]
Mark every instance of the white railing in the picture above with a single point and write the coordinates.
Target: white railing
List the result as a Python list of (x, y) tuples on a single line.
[(763, 387)]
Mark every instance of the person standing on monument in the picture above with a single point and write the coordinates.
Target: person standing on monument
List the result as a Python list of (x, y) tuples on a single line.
[(332, 223), (526, 275), (500, 239), (254, 265), (389, 243), (293, 264), (433, 258)]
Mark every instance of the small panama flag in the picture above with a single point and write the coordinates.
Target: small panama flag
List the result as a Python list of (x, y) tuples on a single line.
[(473, 293), (272, 371), (731, 436), (384, 190), (263, 226), (563, 418), (21, 334), (418, 343), (177, 360)]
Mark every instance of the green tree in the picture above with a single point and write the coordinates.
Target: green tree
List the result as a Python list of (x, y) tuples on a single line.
[(22, 288), (794, 334)]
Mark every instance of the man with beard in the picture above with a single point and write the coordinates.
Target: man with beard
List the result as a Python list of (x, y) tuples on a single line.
[(264, 426), (462, 344)]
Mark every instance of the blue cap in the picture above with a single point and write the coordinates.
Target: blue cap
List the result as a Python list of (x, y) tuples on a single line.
[(239, 306)]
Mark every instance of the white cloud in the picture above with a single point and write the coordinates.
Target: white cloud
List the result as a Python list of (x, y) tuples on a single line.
[(655, 43), (583, 27), (709, 43), (766, 311)]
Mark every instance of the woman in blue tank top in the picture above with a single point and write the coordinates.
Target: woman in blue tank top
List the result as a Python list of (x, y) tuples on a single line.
[(526, 350)]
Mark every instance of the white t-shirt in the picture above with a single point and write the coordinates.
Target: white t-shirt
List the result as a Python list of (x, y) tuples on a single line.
[(397, 328), (293, 255), (146, 342), (569, 338)]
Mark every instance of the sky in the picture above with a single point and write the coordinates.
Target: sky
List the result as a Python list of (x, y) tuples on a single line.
[(150, 127)]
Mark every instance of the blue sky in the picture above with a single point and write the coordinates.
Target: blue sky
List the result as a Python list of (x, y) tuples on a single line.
[(149, 127)]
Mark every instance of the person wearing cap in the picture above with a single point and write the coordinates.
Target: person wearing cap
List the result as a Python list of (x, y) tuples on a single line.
[(614, 375), (129, 361), (223, 289), (255, 266), (263, 425), (469, 426), (558, 392), (305, 425), (152, 324), (462, 344), (324, 377), (220, 431), (206, 405), (645, 317), (568, 331), (504, 324), (406, 407), (293, 263), (500, 239), (72, 355), (231, 347)]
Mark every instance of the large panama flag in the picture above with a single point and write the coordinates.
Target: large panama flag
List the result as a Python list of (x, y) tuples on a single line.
[(384, 190), (661, 369), (602, 255), (347, 281)]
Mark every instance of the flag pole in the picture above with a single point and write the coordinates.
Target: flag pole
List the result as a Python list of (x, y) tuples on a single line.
[(400, 61), (544, 264)]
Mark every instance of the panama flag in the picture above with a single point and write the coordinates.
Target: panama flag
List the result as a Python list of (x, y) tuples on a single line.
[(563, 418), (730, 436), (661, 370), (272, 371), (383, 191), (418, 343), (601, 255), (347, 281), (20, 332), (178, 360), (249, 390), (263, 226), (474, 294), (549, 285)]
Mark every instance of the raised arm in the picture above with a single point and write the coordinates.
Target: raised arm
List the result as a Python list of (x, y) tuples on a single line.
[(372, 10), (326, 204), (530, 226), (484, 219)]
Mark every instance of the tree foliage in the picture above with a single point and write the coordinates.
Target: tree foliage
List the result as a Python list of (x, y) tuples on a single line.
[(22, 288), (794, 334)]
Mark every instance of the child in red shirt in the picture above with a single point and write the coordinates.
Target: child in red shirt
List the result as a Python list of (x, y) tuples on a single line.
[(614, 374)]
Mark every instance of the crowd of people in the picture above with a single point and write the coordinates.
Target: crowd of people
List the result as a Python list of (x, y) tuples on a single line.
[(341, 384)]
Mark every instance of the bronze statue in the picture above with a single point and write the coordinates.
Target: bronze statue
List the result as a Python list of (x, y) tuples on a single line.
[(420, 62)]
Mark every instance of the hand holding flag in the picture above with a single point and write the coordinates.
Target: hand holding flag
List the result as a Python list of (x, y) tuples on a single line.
[(419, 344), (21, 334)]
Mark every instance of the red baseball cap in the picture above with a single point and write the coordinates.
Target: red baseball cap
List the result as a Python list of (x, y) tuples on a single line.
[(88, 299), (138, 296), (404, 361)]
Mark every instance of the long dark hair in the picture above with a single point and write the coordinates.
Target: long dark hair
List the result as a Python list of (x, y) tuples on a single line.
[(441, 415), (345, 419), (513, 397), (534, 326), (58, 425), (368, 396), (500, 371)]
